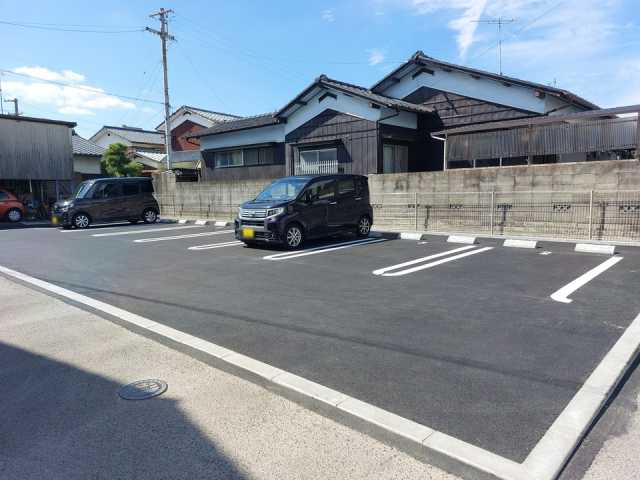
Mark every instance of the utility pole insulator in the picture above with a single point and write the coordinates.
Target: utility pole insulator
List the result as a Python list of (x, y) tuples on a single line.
[(164, 35), (15, 105)]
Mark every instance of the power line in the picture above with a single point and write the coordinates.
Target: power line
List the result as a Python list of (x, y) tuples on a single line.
[(237, 56), (518, 31), (207, 84), (38, 26), (85, 89), (59, 68), (257, 55)]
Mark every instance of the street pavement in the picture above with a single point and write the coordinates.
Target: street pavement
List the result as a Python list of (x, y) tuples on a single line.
[(61, 369)]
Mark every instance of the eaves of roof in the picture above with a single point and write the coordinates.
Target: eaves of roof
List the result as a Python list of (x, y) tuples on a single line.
[(20, 118), (420, 60), (243, 123), (567, 117), (135, 135), (324, 83), (210, 115)]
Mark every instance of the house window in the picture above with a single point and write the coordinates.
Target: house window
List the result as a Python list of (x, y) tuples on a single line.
[(248, 156), (318, 161), (258, 156), (395, 159)]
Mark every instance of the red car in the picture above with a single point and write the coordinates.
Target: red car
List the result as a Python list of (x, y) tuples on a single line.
[(10, 208)]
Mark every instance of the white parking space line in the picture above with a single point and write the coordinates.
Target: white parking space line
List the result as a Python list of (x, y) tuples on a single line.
[(132, 232), (383, 271), (178, 237), (544, 462), (216, 245), (328, 248), (562, 294)]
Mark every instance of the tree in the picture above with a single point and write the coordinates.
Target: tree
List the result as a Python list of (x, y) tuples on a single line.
[(116, 164)]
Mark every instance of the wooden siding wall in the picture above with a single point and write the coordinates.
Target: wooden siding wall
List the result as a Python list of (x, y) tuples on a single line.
[(356, 139), (179, 144), (456, 110), (254, 172), (35, 150), (452, 111)]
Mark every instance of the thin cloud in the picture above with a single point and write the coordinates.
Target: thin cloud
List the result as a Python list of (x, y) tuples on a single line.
[(40, 73), (75, 111), (327, 16), (376, 55), (465, 25), (73, 99)]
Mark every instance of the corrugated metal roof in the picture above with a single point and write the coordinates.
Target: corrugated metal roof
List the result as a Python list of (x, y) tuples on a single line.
[(182, 156), (419, 59), (241, 124), (82, 146), (135, 135), (605, 112), (150, 154), (21, 118)]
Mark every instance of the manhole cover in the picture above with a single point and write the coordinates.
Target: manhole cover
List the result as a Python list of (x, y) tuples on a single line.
[(143, 389)]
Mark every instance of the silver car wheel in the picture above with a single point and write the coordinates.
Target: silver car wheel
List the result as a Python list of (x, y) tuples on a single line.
[(81, 221), (293, 237), (364, 226), (149, 216), (14, 215)]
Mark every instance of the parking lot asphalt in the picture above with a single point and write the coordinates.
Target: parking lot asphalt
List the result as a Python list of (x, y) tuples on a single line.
[(464, 339)]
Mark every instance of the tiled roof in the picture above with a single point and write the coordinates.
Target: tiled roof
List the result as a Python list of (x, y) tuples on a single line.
[(323, 82), (82, 146), (135, 135), (419, 59), (240, 124), (374, 97), (215, 117)]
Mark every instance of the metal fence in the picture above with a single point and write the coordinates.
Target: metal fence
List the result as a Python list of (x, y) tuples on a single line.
[(592, 215)]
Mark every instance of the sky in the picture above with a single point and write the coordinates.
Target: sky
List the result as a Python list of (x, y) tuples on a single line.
[(94, 63)]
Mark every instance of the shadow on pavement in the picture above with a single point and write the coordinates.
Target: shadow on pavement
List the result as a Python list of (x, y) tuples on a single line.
[(60, 422)]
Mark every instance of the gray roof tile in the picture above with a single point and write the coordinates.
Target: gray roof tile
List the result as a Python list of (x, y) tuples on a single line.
[(135, 135), (240, 124), (82, 146)]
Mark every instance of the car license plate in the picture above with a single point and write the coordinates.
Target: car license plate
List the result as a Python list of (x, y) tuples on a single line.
[(54, 220), (248, 233)]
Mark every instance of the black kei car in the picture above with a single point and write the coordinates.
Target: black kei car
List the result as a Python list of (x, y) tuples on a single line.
[(294, 209), (107, 200)]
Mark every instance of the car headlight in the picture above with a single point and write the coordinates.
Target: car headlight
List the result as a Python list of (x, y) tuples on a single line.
[(274, 212), (64, 208)]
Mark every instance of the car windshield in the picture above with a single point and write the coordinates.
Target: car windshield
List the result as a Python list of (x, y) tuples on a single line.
[(283, 189), (80, 191)]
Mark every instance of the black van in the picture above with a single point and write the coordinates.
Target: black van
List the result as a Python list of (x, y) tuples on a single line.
[(297, 208), (107, 200)]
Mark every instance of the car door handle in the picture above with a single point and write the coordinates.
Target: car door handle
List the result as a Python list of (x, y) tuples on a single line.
[(333, 203), (358, 198)]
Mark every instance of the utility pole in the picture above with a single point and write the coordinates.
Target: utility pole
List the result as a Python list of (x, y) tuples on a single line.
[(15, 104), (499, 21), (164, 35), (1, 107)]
